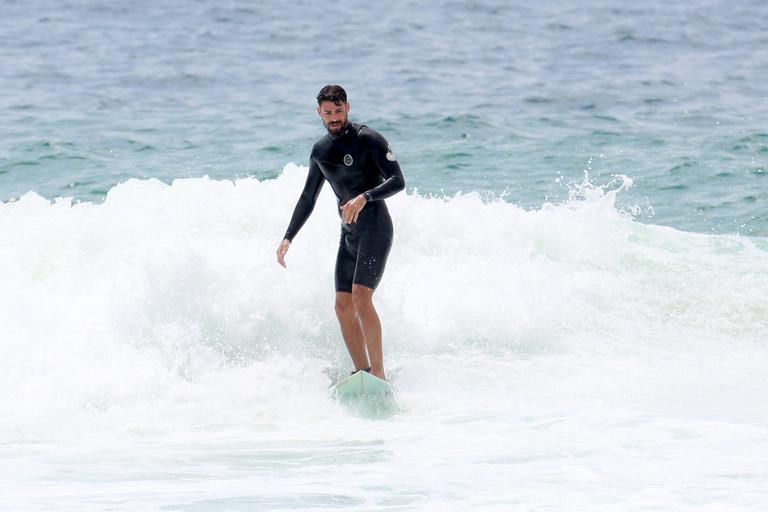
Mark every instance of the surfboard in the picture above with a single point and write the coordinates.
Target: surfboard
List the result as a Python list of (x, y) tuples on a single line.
[(361, 383)]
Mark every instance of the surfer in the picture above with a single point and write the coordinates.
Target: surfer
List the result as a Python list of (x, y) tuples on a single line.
[(362, 171)]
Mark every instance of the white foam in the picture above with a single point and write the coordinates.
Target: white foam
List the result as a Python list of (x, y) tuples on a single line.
[(164, 305)]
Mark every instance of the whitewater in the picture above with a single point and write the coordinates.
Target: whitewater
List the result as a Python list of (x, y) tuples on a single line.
[(566, 357)]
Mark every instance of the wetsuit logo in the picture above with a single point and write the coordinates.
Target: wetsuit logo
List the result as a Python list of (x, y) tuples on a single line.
[(348, 160), (390, 154)]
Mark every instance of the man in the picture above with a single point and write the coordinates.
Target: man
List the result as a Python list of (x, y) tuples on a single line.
[(362, 171)]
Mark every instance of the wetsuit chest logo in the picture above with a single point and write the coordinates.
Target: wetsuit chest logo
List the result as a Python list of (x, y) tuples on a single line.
[(348, 160)]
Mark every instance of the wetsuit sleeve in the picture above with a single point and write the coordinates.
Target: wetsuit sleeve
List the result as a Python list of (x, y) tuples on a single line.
[(306, 202), (385, 162)]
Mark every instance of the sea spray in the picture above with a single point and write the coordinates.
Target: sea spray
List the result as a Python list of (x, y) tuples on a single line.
[(552, 341)]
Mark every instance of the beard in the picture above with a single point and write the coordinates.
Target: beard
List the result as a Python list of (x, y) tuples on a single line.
[(336, 129)]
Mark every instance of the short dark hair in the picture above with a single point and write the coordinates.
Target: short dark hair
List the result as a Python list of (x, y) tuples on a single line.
[(334, 93)]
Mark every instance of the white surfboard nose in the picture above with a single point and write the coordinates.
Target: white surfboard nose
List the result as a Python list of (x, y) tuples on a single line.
[(361, 383)]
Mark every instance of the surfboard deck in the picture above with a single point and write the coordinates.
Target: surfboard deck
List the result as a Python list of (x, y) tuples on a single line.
[(361, 383)]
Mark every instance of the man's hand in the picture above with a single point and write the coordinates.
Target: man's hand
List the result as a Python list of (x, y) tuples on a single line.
[(281, 250), (351, 209)]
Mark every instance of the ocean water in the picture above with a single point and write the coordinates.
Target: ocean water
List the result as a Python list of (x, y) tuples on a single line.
[(574, 310)]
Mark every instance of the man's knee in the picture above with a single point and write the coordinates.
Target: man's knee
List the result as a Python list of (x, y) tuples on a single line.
[(362, 296), (344, 304)]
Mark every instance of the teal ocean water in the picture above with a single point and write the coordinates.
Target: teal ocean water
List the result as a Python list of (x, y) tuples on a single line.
[(497, 97), (574, 309)]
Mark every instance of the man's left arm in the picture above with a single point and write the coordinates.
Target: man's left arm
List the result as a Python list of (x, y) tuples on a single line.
[(385, 161)]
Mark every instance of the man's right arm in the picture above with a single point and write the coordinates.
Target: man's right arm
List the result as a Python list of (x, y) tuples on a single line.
[(307, 200)]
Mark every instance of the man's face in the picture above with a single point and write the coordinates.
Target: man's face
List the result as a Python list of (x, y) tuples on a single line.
[(334, 116)]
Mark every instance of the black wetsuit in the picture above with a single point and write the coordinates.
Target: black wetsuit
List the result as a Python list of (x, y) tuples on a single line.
[(356, 161)]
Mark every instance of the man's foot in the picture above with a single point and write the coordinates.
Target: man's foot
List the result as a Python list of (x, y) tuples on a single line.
[(378, 372), (361, 370)]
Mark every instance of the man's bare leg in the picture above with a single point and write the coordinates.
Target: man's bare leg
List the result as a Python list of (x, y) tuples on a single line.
[(350, 329), (362, 298)]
